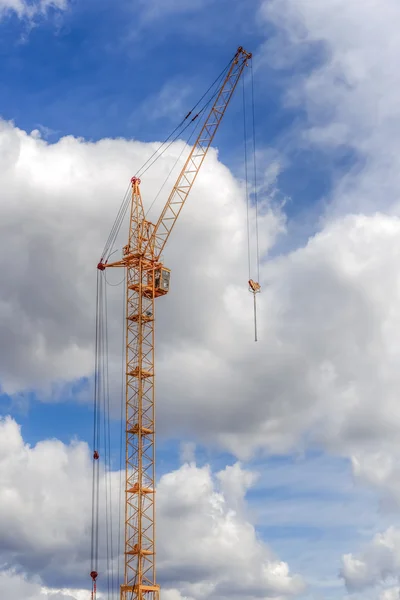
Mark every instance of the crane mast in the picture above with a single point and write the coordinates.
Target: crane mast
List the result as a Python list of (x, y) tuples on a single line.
[(147, 279)]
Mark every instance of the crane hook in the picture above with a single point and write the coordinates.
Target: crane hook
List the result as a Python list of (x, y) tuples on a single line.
[(254, 288)]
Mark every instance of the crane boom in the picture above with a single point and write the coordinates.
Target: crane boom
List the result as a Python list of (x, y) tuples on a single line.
[(187, 176), (146, 280)]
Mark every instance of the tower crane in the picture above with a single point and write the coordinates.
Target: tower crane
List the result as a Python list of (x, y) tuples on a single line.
[(147, 279)]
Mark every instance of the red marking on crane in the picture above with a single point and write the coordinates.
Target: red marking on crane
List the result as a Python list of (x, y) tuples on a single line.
[(135, 180), (93, 575), (101, 266), (95, 455)]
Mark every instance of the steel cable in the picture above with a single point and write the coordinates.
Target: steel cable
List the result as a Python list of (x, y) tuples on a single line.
[(141, 171)]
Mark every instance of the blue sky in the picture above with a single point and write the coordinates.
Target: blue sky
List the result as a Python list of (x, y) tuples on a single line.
[(132, 69), (107, 69)]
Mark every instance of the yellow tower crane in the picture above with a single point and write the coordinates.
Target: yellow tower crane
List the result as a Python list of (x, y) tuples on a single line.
[(147, 279)]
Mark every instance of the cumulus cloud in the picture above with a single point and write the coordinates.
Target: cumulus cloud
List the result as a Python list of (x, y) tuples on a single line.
[(45, 527), (390, 594), (226, 555), (45, 499), (326, 366), (378, 562), (351, 94), (328, 322), (328, 313), (174, 595), (349, 90), (381, 471), (62, 208), (60, 203), (17, 586)]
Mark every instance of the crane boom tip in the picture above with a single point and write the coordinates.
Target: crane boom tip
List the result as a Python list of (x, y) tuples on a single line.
[(241, 50)]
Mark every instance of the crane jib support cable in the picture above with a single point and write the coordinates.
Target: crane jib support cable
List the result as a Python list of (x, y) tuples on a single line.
[(156, 155), (146, 279), (195, 159)]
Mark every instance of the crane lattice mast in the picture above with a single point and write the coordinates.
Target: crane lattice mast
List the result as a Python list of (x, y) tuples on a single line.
[(148, 279)]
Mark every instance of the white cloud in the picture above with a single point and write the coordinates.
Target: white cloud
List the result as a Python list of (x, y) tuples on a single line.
[(326, 367), (45, 527), (380, 470), (379, 562), (16, 586), (56, 217), (351, 96), (227, 556), (348, 86), (174, 595), (328, 345), (45, 503), (188, 452), (390, 594), (328, 312), (30, 10)]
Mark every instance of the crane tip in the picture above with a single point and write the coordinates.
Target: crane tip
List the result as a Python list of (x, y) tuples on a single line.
[(241, 50)]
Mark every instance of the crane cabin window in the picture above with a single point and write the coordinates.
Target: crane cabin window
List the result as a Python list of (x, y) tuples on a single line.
[(161, 279)]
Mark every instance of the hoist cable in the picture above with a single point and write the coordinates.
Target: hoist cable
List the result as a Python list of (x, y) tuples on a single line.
[(246, 181), (105, 453), (107, 462), (253, 289), (95, 441), (255, 171), (96, 436), (121, 429)]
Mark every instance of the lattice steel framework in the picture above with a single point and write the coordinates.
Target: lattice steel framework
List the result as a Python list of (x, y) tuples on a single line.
[(140, 578), (148, 279), (198, 153)]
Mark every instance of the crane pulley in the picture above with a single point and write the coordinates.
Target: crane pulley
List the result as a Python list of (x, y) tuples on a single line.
[(147, 279)]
